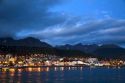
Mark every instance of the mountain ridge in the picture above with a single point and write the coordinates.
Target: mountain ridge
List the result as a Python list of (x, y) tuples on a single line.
[(105, 50), (29, 42), (32, 45)]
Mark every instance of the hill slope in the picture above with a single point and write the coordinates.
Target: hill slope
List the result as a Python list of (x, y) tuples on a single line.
[(27, 42)]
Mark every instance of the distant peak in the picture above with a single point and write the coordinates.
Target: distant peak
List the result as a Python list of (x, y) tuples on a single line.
[(31, 38), (110, 46), (78, 44), (67, 45), (28, 41)]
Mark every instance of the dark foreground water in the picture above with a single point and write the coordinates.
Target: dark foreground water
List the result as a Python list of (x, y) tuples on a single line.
[(63, 75)]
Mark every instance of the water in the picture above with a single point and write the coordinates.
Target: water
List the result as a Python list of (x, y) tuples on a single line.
[(63, 75)]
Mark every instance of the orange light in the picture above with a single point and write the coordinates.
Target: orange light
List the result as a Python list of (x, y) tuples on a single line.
[(39, 69), (30, 69), (20, 62), (12, 70)]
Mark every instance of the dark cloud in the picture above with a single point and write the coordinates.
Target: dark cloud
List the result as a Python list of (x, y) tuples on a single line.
[(20, 15), (22, 18)]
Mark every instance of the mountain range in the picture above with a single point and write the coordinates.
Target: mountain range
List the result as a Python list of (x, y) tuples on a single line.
[(33, 45), (103, 51)]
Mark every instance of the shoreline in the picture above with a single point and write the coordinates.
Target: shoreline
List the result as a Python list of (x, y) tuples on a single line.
[(64, 66)]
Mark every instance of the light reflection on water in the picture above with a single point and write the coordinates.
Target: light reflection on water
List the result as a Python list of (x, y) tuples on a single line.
[(62, 75)]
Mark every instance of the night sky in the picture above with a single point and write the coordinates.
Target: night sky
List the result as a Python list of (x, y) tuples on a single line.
[(64, 21)]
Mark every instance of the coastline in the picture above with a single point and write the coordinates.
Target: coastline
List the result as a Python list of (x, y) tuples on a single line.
[(64, 66)]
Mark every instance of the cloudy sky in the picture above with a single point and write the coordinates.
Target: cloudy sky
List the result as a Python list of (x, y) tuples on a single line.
[(64, 21)]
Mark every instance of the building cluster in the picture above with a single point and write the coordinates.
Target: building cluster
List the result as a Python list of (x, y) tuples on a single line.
[(52, 60)]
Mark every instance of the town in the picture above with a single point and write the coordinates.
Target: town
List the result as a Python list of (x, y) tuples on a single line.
[(39, 60)]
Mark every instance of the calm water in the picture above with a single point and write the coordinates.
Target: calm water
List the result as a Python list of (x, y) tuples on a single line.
[(63, 75)]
